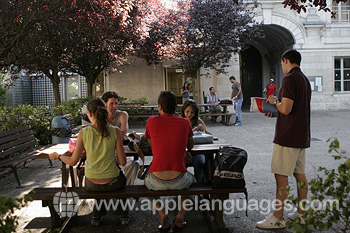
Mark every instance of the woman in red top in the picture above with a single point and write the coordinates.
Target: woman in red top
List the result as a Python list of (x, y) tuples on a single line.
[(270, 89)]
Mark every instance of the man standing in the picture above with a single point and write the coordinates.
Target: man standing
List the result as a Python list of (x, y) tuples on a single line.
[(213, 98), (292, 136), (237, 97), (115, 117), (169, 136)]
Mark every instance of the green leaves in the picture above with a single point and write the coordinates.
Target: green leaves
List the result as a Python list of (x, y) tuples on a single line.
[(331, 190), (9, 221)]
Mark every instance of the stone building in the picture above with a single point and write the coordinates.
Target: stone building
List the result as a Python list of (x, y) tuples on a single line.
[(323, 42)]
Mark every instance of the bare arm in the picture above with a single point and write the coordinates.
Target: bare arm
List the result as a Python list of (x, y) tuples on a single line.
[(190, 143), (202, 126), (183, 91), (123, 118), (71, 160), (119, 149)]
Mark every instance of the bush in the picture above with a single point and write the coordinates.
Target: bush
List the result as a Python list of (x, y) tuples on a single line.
[(333, 185), (9, 221), (37, 117), (73, 107), (138, 101)]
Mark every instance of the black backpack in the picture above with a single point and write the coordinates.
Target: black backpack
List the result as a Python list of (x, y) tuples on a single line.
[(229, 162)]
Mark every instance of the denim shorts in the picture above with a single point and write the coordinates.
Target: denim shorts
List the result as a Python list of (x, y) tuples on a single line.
[(183, 181)]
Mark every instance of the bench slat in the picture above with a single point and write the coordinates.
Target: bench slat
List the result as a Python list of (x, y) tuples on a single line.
[(13, 131), (14, 161), (130, 191), (16, 140), (18, 148)]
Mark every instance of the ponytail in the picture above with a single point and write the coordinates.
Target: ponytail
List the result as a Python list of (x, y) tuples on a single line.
[(98, 108)]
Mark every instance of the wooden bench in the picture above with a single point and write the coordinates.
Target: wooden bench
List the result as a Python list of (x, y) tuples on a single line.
[(46, 195), (17, 146), (225, 117), (73, 125)]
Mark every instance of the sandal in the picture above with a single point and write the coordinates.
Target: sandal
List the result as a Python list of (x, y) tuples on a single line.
[(96, 221), (177, 229), (163, 230), (124, 219)]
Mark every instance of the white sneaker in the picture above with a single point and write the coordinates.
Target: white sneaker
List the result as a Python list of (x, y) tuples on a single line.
[(271, 222), (294, 216)]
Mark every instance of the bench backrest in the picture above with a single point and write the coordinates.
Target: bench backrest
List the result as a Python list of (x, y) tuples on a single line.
[(16, 140), (71, 121)]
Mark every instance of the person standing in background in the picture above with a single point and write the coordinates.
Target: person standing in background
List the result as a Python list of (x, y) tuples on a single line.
[(185, 92), (237, 97), (270, 89)]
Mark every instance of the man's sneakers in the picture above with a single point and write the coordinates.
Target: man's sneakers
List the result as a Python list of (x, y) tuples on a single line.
[(271, 222), (296, 217)]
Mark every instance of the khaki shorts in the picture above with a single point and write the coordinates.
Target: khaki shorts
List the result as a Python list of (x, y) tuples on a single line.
[(287, 160)]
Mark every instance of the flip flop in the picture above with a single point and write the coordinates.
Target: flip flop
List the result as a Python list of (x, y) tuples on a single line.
[(177, 229), (163, 230)]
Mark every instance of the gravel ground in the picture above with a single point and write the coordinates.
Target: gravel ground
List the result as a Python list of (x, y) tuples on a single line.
[(255, 136)]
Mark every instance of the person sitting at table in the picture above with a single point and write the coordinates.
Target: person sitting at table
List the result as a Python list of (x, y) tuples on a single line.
[(115, 116), (190, 111), (120, 119), (101, 142), (169, 136), (213, 98)]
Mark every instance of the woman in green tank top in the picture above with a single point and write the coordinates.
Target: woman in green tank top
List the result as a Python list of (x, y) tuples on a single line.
[(101, 142)]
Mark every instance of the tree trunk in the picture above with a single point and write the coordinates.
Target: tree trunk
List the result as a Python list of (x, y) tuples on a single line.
[(89, 86), (55, 80)]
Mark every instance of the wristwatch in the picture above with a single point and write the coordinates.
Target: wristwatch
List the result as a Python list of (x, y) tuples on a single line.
[(275, 101), (59, 158)]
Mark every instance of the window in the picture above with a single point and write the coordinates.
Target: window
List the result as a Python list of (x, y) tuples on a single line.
[(342, 11), (342, 74)]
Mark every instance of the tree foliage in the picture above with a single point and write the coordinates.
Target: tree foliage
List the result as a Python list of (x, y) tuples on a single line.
[(199, 33), (302, 5)]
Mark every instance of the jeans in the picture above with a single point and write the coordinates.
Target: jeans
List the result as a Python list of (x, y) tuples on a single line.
[(198, 163), (238, 108), (183, 181)]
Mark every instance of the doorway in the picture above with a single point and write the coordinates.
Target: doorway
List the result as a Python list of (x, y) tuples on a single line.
[(176, 80), (251, 73)]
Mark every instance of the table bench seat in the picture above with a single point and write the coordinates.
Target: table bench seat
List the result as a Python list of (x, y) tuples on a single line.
[(215, 216)]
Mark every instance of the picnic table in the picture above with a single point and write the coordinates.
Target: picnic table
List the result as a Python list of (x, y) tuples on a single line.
[(145, 111)]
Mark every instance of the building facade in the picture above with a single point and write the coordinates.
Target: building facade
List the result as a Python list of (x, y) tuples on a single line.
[(323, 42)]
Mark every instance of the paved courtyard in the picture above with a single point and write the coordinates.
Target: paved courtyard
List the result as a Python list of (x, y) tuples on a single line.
[(255, 136)]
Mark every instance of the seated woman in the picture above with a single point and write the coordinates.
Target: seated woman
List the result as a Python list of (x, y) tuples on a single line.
[(101, 142), (190, 111)]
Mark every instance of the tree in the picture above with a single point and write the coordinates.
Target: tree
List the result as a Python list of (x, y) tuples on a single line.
[(201, 33), (3, 92), (44, 48), (106, 40), (302, 5)]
